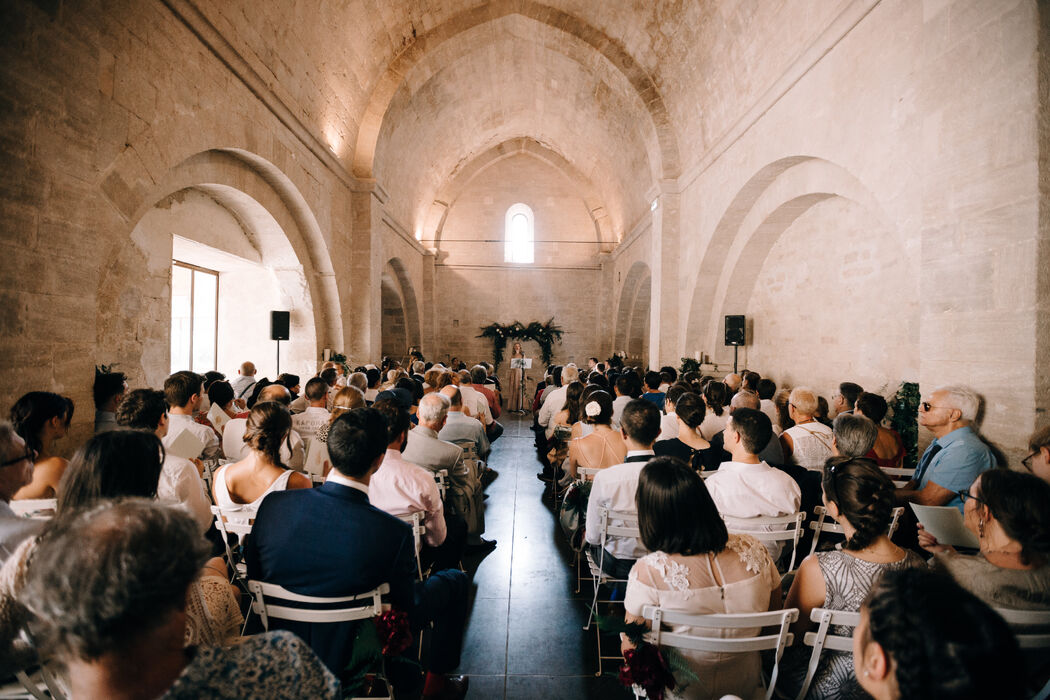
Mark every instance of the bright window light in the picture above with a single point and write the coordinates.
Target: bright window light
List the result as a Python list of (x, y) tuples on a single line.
[(519, 235)]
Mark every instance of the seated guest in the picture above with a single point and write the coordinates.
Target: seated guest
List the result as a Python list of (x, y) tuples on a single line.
[(844, 400), (747, 487), (623, 388), (289, 382), (555, 400), (956, 457), (783, 421), (183, 393), (669, 422), (690, 446), (1009, 512), (316, 413), (479, 376), (368, 548), (614, 488), (808, 442), (115, 617), (652, 389), (374, 376), (346, 399), (771, 454), (603, 447), (261, 472), (732, 383), (16, 470), (767, 389), (852, 436), (696, 567), (209, 379), (479, 403), (749, 381), (359, 380), (570, 414), (108, 391), (244, 383), (922, 636), (459, 428), (220, 394), (427, 450), (330, 377), (715, 399), (859, 497), (41, 419), (1038, 460), (888, 450), (180, 480), (400, 487)]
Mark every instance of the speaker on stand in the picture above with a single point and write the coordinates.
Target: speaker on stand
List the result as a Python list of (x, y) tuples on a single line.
[(279, 326), (736, 335)]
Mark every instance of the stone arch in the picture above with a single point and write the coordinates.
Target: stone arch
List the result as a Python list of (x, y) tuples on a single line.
[(460, 179), (387, 84), (274, 216), (633, 311), (766, 206), (400, 326)]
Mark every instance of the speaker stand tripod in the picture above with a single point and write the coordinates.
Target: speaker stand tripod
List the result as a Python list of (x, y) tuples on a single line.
[(278, 356)]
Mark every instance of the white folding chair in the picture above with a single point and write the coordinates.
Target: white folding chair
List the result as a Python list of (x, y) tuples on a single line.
[(35, 508), (899, 477), (823, 639), (313, 464), (1032, 629), (235, 521), (751, 642), (771, 529), (357, 607), (441, 478), (824, 523), (613, 524), (415, 521), (587, 473)]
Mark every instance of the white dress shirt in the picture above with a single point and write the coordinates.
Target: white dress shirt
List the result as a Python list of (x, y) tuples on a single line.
[(308, 422), (618, 405), (399, 487), (477, 403), (770, 409), (181, 483), (614, 488), (742, 490), (668, 426), (178, 422), (554, 402)]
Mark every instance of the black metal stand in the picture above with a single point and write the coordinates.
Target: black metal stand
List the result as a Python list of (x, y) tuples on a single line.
[(278, 357), (736, 355)]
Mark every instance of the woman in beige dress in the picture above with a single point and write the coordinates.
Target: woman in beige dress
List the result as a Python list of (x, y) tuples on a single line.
[(516, 377), (696, 567)]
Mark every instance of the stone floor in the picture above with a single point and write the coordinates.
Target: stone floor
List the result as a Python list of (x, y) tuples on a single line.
[(524, 638)]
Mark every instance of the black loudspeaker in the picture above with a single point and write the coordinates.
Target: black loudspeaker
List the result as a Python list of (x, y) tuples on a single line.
[(735, 331), (279, 325)]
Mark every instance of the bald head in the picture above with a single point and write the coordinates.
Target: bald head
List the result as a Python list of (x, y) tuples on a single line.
[(275, 392), (248, 369), (744, 399), (455, 398), (732, 381)]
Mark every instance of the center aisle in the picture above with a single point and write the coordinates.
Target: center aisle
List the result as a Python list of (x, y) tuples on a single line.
[(524, 637)]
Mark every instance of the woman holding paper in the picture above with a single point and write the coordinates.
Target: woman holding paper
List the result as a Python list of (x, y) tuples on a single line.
[(1009, 512)]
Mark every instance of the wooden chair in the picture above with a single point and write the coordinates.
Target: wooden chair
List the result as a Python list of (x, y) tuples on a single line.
[(755, 641)]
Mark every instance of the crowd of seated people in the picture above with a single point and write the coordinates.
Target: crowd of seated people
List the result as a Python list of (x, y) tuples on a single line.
[(775, 453), (144, 487)]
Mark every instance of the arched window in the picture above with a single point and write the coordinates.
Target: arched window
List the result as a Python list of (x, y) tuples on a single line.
[(518, 234)]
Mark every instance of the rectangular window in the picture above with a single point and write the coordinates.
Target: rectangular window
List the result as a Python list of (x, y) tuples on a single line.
[(194, 317)]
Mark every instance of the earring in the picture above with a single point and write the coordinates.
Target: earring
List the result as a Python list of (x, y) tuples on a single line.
[(980, 527), (867, 673)]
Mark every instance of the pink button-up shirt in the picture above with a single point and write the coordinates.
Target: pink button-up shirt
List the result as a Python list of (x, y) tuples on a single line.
[(399, 487)]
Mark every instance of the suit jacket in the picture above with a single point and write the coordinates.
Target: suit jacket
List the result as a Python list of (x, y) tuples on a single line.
[(428, 451), (330, 541)]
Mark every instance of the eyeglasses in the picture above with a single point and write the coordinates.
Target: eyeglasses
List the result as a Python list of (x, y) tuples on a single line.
[(964, 494), (30, 454), (1027, 461), (927, 406)]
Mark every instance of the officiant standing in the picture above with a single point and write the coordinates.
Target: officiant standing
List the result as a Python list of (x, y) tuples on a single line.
[(517, 378)]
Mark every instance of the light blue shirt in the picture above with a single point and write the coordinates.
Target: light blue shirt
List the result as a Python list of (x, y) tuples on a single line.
[(962, 458)]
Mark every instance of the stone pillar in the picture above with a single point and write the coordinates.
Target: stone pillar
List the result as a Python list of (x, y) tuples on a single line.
[(428, 343), (663, 324), (365, 266)]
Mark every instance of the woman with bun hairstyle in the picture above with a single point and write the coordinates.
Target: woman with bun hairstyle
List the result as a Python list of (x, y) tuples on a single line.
[(603, 447), (1010, 514), (860, 498), (690, 446), (246, 482), (922, 636)]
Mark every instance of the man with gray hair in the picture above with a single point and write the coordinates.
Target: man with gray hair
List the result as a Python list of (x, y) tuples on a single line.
[(16, 470), (853, 435), (460, 428), (956, 457)]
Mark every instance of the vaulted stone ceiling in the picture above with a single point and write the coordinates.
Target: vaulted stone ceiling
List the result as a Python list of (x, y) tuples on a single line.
[(628, 93)]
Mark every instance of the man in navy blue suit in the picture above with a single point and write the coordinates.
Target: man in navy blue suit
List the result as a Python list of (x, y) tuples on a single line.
[(330, 541)]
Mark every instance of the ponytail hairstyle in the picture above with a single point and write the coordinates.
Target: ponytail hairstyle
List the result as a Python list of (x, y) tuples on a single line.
[(1021, 503), (715, 393), (268, 426), (690, 409), (863, 495), (33, 410), (943, 641)]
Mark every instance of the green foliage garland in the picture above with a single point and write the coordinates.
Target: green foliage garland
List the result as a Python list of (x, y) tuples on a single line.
[(689, 365), (905, 405), (545, 334)]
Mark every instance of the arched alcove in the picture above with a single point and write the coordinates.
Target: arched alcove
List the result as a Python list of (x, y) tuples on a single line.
[(399, 327), (632, 314)]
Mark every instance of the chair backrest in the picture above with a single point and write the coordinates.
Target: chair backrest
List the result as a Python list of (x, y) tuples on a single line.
[(36, 508), (587, 473), (757, 641), (770, 528), (233, 438), (618, 523), (898, 476), (357, 607), (240, 525), (441, 478), (824, 523), (1031, 627), (316, 456), (822, 639), (419, 530)]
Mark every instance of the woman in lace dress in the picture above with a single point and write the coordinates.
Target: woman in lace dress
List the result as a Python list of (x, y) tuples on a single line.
[(696, 567), (860, 498)]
